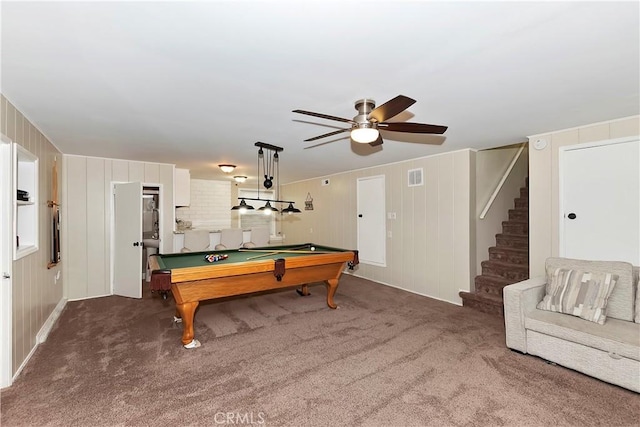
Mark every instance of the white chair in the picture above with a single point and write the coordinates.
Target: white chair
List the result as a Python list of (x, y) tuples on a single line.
[(259, 237), (195, 241), (230, 238)]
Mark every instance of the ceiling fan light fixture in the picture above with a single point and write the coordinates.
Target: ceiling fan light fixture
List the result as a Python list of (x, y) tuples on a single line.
[(226, 168), (365, 125), (364, 135)]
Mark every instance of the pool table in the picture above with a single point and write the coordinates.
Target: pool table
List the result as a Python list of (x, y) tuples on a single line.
[(191, 278)]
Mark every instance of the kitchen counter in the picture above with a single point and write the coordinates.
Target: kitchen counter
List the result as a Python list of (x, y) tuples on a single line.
[(214, 238), (209, 230)]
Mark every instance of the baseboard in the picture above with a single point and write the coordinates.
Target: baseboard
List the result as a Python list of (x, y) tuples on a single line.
[(42, 334), (48, 325), (404, 289), (91, 297), (24, 363)]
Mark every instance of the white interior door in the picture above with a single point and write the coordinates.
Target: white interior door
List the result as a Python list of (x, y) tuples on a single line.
[(601, 202), (6, 262), (371, 221), (127, 238)]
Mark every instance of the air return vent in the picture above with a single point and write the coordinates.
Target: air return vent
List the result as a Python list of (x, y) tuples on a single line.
[(414, 177)]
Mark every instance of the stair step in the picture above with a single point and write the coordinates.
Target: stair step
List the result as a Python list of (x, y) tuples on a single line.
[(515, 272), (512, 255), (491, 285), (512, 240), (519, 215), (515, 227), (485, 303), (522, 203), (508, 261)]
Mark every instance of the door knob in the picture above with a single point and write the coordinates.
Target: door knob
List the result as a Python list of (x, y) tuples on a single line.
[(360, 216), (6, 276), (136, 243), (571, 216)]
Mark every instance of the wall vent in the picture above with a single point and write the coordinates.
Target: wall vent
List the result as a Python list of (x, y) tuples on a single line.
[(414, 177)]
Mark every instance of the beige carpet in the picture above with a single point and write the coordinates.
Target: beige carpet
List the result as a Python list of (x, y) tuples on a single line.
[(385, 357)]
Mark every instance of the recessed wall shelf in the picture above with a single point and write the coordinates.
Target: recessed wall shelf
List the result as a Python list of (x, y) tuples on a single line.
[(25, 215)]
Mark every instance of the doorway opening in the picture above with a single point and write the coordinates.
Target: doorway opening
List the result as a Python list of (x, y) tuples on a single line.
[(150, 227)]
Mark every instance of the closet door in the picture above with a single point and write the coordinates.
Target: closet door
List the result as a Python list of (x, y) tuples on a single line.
[(600, 202), (371, 221)]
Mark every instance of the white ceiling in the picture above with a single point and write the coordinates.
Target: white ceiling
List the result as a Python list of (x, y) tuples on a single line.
[(198, 83)]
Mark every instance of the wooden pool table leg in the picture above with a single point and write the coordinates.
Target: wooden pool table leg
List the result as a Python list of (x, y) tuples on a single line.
[(187, 311), (303, 291), (332, 287)]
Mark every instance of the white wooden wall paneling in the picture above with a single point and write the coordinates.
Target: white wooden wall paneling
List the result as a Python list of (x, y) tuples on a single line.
[(77, 228), (404, 241), (151, 172), (136, 172), (106, 221), (165, 177), (420, 230), (462, 218), (393, 201), (34, 293), (431, 222), (97, 283)]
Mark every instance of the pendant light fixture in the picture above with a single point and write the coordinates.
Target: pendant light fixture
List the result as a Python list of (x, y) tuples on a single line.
[(243, 207), (270, 159)]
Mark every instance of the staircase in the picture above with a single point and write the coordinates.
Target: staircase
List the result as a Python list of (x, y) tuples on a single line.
[(508, 260)]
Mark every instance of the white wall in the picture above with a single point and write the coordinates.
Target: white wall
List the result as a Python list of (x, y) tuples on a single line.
[(86, 217), (210, 205), (36, 292), (544, 182), (432, 248)]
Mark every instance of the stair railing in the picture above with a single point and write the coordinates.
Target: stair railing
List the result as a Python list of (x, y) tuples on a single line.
[(502, 181)]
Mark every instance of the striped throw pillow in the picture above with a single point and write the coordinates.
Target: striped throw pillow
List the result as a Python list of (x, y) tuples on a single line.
[(578, 293)]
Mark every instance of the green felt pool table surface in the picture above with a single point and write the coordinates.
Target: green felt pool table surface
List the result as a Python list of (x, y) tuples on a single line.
[(197, 259)]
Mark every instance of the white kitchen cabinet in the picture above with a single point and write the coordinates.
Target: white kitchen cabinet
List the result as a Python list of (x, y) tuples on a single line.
[(182, 186)]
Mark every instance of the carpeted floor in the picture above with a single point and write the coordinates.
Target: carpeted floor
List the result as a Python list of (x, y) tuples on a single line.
[(385, 357)]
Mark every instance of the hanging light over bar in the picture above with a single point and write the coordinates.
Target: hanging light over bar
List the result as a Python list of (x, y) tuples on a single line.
[(270, 169)]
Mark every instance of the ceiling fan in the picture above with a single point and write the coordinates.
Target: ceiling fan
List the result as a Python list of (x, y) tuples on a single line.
[(370, 120)]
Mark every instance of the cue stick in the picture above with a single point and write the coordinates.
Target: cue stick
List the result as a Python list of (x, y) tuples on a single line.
[(299, 248), (260, 256), (273, 252)]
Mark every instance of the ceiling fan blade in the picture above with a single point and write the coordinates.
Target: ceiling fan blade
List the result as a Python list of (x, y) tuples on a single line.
[(391, 108), (377, 142), (322, 116), (327, 134), (319, 144), (412, 127)]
